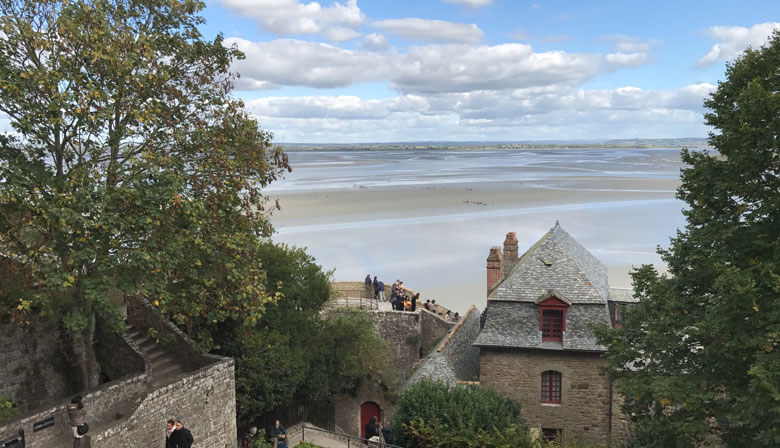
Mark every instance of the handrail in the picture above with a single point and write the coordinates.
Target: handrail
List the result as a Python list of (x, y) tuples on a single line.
[(357, 441)]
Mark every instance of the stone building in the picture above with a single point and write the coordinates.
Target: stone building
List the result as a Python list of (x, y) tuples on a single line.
[(536, 346)]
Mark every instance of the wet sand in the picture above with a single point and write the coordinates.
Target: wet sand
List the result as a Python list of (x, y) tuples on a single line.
[(436, 237)]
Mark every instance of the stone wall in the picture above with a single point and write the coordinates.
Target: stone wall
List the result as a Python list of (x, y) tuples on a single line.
[(109, 400), (583, 413), (348, 415), (401, 330), (204, 400), (432, 329), (34, 365)]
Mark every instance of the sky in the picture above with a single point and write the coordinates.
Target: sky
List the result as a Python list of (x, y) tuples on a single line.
[(352, 71)]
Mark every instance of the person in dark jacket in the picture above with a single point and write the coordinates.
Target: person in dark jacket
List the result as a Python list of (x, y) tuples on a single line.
[(170, 428), (182, 437), (279, 434), (371, 428), (376, 288), (415, 298), (387, 433)]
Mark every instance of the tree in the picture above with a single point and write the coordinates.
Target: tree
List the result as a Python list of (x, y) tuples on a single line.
[(434, 414), (131, 168), (698, 359)]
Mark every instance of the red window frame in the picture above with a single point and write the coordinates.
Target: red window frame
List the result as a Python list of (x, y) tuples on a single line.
[(551, 387), (552, 319)]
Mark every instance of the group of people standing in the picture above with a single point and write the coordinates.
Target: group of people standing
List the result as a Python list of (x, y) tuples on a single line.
[(278, 436), (176, 435), (400, 299), (375, 432)]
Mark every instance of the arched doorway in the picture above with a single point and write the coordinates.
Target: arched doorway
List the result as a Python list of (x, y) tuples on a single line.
[(367, 410)]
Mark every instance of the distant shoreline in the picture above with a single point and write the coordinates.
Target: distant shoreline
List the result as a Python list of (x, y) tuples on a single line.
[(498, 146)]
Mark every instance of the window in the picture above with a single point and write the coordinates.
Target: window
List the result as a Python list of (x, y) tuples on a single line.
[(552, 325), (552, 319), (551, 387), (551, 434)]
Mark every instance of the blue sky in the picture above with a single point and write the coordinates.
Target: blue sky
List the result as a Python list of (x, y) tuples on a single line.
[(372, 71)]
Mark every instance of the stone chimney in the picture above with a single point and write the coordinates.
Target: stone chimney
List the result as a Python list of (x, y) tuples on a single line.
[(510, 252), (495, 268)]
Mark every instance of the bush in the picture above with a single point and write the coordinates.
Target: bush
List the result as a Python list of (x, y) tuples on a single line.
[(433, 414), (7, 409)]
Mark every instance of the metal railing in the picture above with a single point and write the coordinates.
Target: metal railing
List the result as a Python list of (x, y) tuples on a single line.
[(351, 441), (359, 297)]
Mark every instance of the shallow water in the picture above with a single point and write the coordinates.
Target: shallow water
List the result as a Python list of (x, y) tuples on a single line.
[(430, 217)]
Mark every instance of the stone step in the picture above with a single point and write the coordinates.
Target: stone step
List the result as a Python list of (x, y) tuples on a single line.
[(162, 362)]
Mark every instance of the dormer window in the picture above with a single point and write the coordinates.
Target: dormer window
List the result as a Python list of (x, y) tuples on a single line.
[(552, 319)]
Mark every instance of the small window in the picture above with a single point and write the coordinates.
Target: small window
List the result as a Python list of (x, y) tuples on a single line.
[(551, 435), (617, 318), (551, 387), (552, 325)]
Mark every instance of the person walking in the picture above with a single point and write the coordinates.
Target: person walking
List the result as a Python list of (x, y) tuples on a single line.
[(376, 288), (77, 417), (371, 431)]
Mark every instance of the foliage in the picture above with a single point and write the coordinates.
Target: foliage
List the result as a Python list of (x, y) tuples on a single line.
[(7, 409), (131, 168), (697, 360), (433, 414), (295, 351)]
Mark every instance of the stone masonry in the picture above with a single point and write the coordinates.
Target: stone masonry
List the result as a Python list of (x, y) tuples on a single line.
[(585, 396)]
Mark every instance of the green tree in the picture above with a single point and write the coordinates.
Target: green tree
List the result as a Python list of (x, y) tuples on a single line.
[(433, 414), (698, 359), (131, 168)]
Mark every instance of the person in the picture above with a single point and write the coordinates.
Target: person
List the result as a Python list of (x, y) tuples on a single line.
[(407, 303), (278, 434), (250, 438), (456, 317), (170, 428), (376, 288), (415, 298), (387, 433), (371, 431), (182, 437), (381, 290), (77, 416), (428, 304)]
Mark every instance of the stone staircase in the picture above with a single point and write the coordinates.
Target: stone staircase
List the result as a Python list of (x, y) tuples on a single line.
[(164, 367)]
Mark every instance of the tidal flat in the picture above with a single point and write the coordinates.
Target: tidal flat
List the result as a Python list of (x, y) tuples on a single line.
[(429, 218)]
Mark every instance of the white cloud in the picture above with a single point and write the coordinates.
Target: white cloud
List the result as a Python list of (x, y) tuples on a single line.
[(337, 22), (734, 40), (424, 69), (461, 68), (311, 64), (376, 42), (470, 3), (531, 113), (431, 30)]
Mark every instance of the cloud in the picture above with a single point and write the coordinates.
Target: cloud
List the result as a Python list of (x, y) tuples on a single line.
[(376, 42), (628, 44), (734, 40), (470, 3), (460, 68), (311, 64), (556, 38), (619, 60), (426, 69), (337, 22), (530, 113), (431, 30)]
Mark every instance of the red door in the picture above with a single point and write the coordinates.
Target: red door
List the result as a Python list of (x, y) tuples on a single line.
[(367, 410)]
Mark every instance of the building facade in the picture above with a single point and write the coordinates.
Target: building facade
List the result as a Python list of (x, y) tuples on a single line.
[(536, 345)]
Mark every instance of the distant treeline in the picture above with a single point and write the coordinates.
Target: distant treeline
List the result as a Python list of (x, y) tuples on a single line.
[(471, 146)]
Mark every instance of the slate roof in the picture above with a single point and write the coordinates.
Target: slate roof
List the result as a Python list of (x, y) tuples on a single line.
[(557, 261), (455, 358), (623, 295), (556, 265)]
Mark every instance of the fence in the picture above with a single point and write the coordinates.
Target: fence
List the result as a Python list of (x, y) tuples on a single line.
[(353, 294), (348, 440)]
